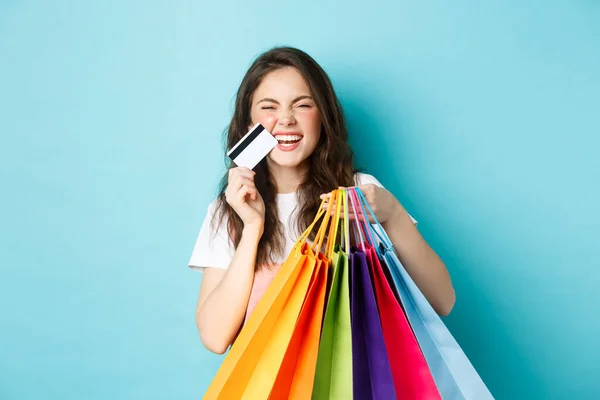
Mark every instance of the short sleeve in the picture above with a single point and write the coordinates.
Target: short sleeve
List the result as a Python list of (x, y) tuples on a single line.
[(365, 179), (213, 248)]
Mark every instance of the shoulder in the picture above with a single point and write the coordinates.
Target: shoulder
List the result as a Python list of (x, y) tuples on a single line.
[(361, 178), (213, 246), (213, 205), (214, 211), (212, 208)]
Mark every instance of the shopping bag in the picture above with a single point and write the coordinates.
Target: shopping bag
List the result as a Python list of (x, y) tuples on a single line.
[(454, 375), (296, 375), (372, 375), (411, 374), (250, 368), (333, 375), (412, 377)]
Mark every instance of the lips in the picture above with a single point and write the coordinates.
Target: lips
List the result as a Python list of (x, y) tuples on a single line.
[(288, 138), (288, 141)]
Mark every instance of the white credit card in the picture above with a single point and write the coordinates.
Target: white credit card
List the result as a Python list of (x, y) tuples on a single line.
[(253, 147)]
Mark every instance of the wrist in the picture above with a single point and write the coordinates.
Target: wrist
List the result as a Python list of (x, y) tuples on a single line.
[(396, 213), (255, 229)]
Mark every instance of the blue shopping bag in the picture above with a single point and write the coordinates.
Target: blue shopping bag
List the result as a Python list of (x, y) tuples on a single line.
[(454, 375)]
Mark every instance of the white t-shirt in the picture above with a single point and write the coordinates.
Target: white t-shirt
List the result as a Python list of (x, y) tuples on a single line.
[(216, 249)]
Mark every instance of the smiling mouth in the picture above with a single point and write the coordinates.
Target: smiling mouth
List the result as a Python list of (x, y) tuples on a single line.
[(288, 140)]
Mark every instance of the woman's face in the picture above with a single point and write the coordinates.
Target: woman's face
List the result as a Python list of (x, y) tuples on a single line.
[(283, 104)]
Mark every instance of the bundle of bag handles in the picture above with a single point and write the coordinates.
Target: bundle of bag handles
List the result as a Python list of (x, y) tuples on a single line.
[(366, 232)]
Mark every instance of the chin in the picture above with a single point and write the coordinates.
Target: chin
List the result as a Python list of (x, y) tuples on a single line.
[(286, 161)]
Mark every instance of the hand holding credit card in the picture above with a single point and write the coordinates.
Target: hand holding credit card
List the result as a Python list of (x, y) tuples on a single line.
[(253, 147)]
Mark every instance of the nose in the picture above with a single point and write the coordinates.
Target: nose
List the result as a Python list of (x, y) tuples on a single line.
[(286, 118)]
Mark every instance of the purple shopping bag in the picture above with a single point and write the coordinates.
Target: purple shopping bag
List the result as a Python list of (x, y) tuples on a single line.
[(371, 372)]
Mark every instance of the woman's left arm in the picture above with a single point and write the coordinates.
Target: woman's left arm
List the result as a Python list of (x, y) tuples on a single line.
[(422, 263)]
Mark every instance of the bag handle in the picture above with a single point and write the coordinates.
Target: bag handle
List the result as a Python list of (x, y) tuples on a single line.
[(383, 236), (310, 228), (362, 214), (335, 223), (345, 239), (318, 242), (356, 222)]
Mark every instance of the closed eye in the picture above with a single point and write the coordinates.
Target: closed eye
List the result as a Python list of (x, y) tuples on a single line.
[(267, 108)]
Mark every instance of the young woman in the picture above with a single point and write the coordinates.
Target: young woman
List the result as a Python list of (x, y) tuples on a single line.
[(242, 243)]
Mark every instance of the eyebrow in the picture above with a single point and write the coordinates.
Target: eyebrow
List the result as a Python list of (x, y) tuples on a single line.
[(268, 99)]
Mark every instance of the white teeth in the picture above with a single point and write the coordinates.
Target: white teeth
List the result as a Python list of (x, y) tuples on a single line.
[(288, 138)]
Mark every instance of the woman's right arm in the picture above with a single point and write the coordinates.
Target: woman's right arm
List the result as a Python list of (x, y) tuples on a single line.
[(224, 294)]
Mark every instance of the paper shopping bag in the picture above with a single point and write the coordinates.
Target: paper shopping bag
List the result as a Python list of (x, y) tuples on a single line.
[(296, 375), (453, 373), (371, 371), (412, 377), (333, 376), (250, 368), (372, 375)]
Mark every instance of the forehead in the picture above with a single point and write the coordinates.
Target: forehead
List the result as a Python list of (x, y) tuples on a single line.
[(281, 84)]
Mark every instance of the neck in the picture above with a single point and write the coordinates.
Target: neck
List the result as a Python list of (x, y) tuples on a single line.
[(287, 179)]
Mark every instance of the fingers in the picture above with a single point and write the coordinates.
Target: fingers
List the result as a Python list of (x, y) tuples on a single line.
[(241, 185), (351, 215), (325, 196), (243, 181), (242, 193), (328, 195), (246, 191), (367, 190), (241, 176), (241, 172)]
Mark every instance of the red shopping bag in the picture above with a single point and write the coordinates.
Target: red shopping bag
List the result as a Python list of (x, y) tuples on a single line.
[(412, 377)]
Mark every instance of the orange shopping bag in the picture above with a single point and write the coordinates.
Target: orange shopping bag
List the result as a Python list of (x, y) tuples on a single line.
[(250, 368), (297, 373)]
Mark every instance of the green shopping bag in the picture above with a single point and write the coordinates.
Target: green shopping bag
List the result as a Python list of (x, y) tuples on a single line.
[(333, 376)]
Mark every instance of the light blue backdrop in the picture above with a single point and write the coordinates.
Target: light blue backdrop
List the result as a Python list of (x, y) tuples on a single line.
[(484, 120)]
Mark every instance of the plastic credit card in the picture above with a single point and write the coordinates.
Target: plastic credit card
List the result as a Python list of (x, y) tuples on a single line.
[(253, 147)]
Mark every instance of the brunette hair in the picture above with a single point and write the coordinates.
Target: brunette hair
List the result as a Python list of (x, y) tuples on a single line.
[(330, 165)]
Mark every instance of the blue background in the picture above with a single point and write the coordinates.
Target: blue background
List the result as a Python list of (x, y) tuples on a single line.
[(483, 118)]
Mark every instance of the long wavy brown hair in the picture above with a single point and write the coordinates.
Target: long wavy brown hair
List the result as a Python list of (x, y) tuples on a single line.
[(331, 164)]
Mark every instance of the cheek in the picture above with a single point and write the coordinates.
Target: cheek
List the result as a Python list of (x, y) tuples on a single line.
[(311, 125), (266, 120)]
